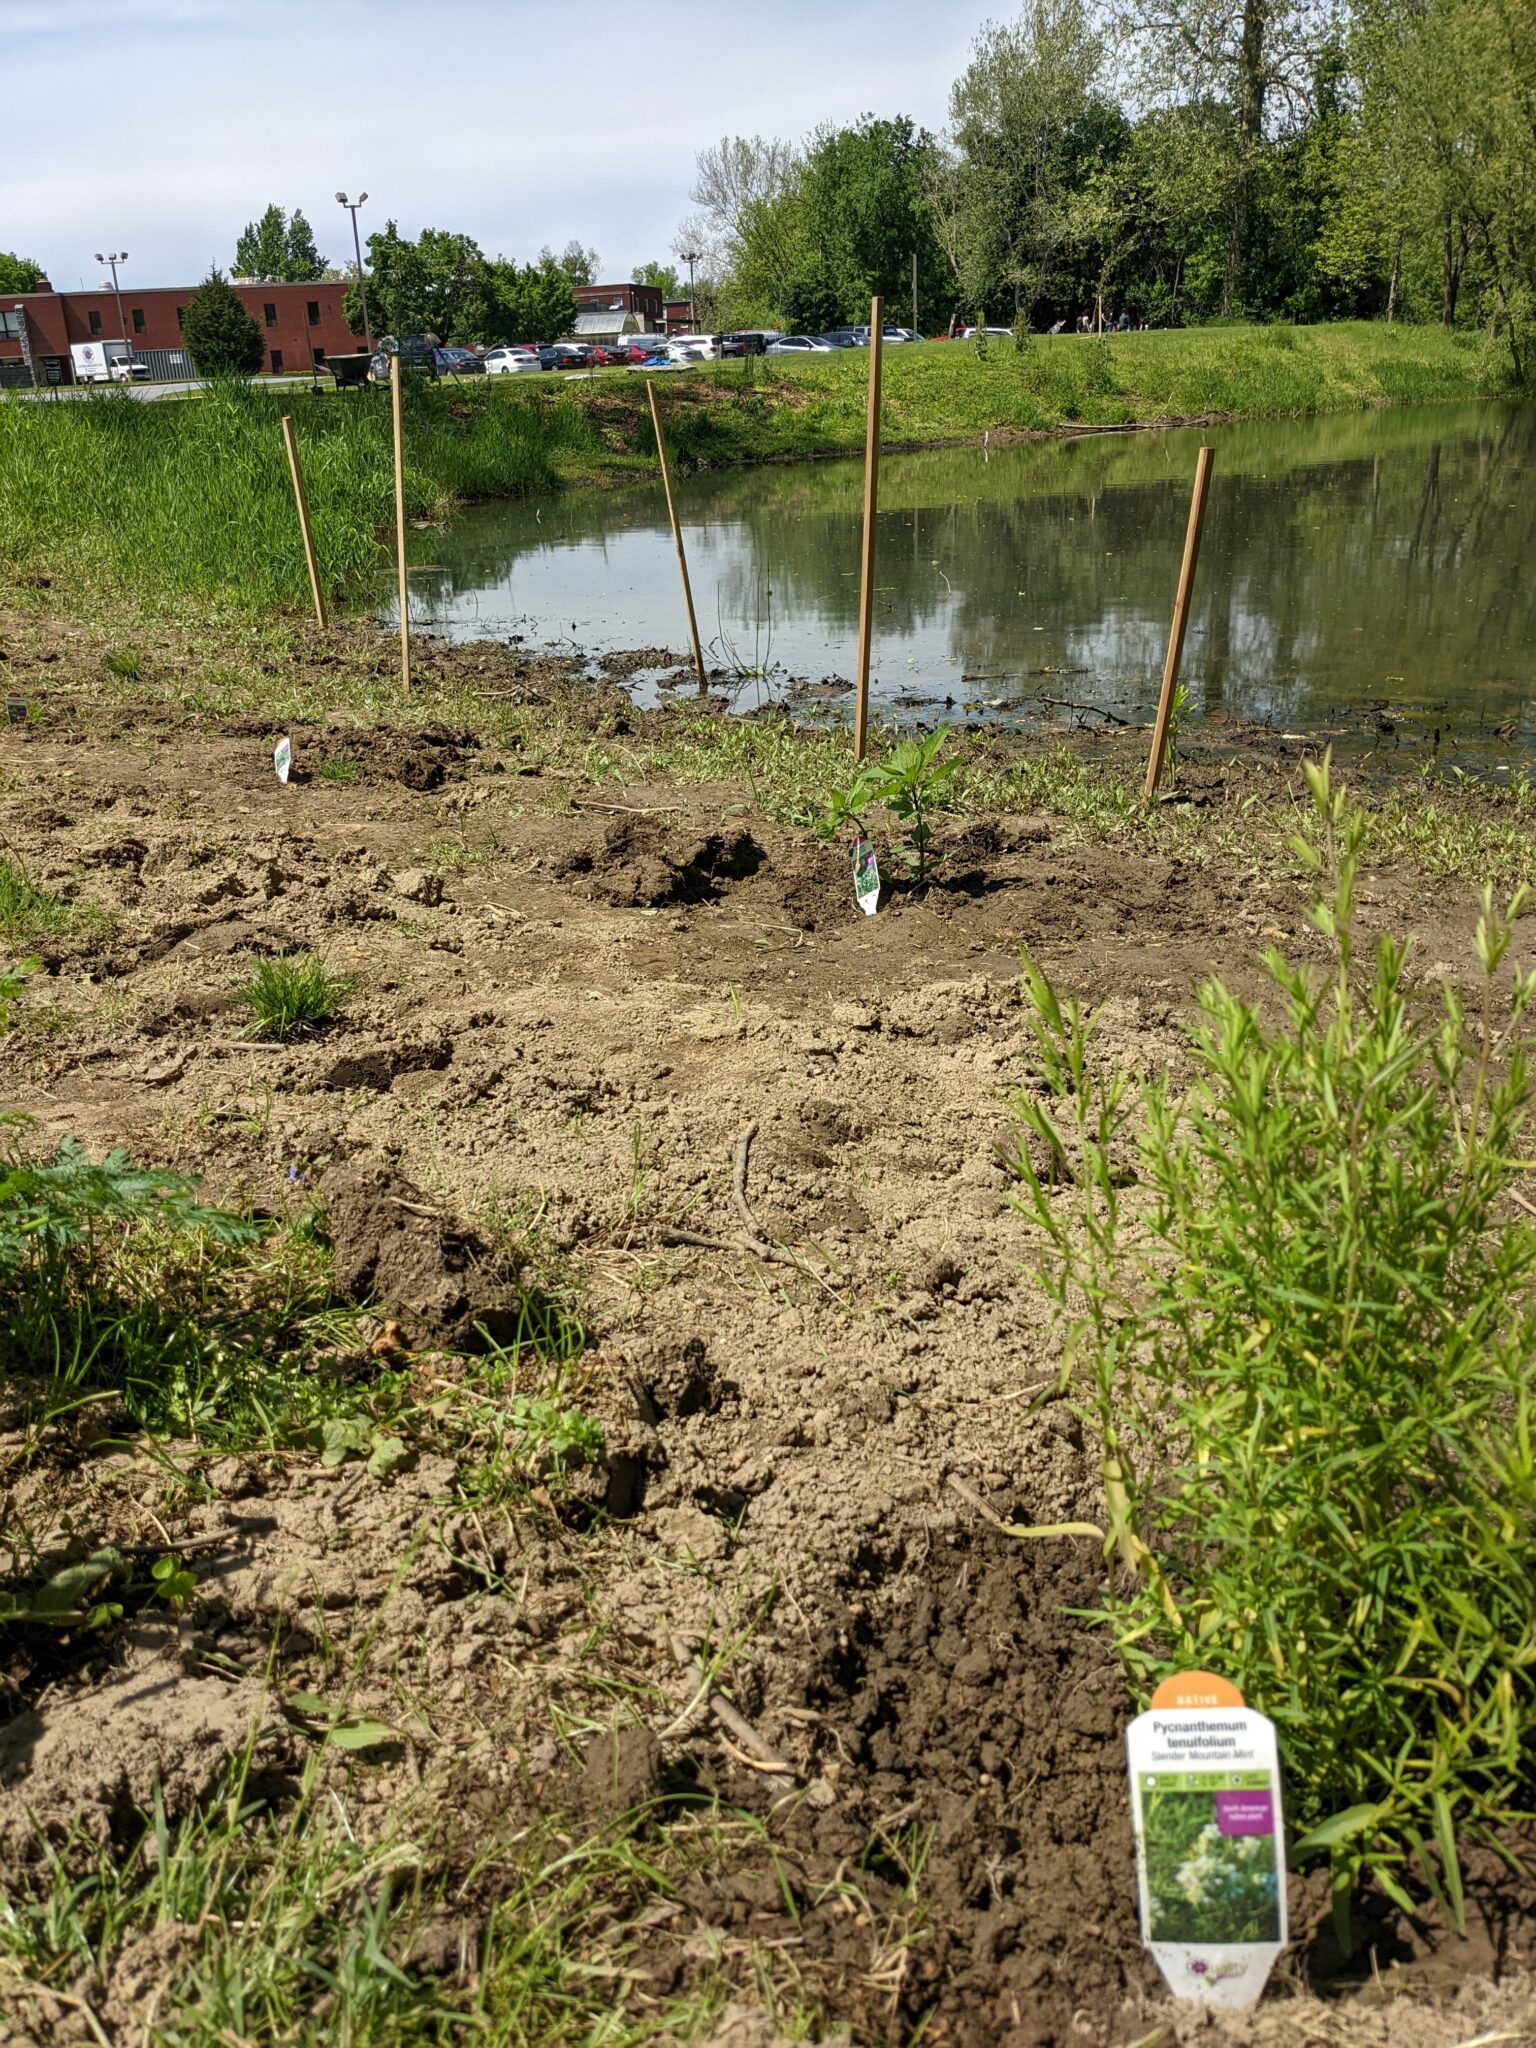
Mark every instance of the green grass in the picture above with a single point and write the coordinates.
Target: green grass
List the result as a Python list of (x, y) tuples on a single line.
[(28, 912), (192, 498), (287, 998)]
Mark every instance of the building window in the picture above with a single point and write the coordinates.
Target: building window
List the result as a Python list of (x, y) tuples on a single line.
[(314, 312), (138, 319), (95, 323), (319, 356), (271, 313), (181, 318), (277, 362), (10, 326)]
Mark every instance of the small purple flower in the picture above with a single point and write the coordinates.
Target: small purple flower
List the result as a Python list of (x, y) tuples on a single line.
[(1198, 1966), (295, 1178)]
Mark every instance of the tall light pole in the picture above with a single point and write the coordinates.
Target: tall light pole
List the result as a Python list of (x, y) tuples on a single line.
[(690, 257), (362, 290), (112, 260)]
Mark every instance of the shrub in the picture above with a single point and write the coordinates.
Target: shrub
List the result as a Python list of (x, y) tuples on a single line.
[(1308, 1341), (286, 997), (221, 337)]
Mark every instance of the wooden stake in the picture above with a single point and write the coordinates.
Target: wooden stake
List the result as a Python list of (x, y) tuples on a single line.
[(405, 599), (309, 540), (677, 537), (917, 332), (871, 505), (1180, 621)]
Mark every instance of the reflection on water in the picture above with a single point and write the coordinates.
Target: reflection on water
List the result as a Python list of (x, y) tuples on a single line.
[(1359, 572)]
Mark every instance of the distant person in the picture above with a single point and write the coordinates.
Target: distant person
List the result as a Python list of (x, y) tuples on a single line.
[(1058, 326), (1123, 324)]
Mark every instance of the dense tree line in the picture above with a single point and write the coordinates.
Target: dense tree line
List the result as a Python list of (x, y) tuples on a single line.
[(1166, 160)]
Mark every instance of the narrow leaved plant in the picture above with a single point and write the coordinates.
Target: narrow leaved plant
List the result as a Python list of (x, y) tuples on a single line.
[(1299, 1302)]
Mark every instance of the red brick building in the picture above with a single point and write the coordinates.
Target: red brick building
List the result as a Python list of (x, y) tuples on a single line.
[(301, 324)]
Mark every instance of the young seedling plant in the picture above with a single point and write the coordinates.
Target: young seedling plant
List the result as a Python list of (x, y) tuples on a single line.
[(910, 781), (289, 997), (1301, 1311)]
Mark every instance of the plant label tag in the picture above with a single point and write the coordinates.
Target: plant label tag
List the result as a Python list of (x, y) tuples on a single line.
[(1210, 1839), (282, 758), (15, 707), (866, 876)]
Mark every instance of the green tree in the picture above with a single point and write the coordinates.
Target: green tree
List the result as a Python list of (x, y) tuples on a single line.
[(278, 249), (865, 215), (662, 275), (580, 265), (1031, 124), (19, 273), (219, 334), (439, 284), (531, 302)]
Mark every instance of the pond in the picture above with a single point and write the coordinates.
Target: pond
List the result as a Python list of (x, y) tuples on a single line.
[(1364, 575)]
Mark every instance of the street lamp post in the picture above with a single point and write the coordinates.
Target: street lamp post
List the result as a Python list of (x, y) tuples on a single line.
[(362, 289), (112, 260), (690, 257)]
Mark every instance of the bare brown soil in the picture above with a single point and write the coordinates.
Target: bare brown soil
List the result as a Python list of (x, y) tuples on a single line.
[(577, 1000)]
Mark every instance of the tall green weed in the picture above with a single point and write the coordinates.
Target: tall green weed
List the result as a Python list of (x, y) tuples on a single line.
[(1301, 1315)]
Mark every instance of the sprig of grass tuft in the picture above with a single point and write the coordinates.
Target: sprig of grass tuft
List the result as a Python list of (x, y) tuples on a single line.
[(288, 997)]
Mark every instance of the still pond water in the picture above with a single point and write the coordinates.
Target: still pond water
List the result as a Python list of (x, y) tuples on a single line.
[(1366, 575)]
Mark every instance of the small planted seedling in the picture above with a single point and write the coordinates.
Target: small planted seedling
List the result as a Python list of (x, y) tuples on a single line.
[(124, 663), (912, 782), (289, 997)]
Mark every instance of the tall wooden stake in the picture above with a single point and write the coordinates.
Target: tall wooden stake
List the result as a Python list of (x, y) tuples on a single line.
[(677, 537), (1180, 621), (871, 505), (917, 332), (405, 599), (309, 540)]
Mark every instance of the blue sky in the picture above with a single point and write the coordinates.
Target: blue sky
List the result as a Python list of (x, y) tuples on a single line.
[(162, 126)]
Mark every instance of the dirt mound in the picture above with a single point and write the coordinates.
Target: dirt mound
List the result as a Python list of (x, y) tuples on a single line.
[(394, 1247), (423, 757), (640, 864)]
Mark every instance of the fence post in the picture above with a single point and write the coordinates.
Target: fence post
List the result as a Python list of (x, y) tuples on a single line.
[(309, 540), (871, 506), (1180, 621), (677, 537), (405, 601)]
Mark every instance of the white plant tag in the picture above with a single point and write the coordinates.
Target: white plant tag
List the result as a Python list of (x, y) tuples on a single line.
[(282, 758), (866, 876), (1210, 1839)]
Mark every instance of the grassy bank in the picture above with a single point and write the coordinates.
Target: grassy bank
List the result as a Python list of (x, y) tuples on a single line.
[(168, 501)]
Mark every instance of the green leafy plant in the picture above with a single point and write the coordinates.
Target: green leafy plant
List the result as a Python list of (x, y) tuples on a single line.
[(287, 997), (124, 663), (339, 770), (174, 1584), (346, 1436), (1300, 1306), (911, 781)]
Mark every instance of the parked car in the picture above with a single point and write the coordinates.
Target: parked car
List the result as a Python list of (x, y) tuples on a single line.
[(565, 355), (458, 362), (703, 347), (839, 338), (969, 333), (798, 345), (511, 361), (749, 341)]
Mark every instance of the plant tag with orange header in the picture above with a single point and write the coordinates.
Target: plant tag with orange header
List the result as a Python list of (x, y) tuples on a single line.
[(1210, 1839)]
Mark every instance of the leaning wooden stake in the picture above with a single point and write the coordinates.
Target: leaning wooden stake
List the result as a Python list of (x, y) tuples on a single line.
[(1180, 621), (405, 600), (309, 540), (677, 537), (871, 505)]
